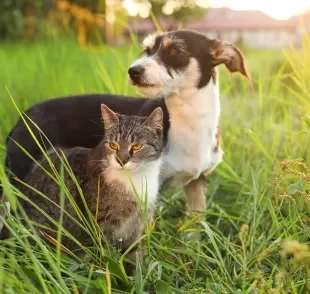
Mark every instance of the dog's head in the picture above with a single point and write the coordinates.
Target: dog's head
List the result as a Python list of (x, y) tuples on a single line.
[(180, 60)]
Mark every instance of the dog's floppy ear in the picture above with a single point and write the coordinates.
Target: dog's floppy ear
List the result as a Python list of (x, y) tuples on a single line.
[(228, 54), (109, 117)]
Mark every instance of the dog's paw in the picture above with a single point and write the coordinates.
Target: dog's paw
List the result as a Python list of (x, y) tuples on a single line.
[(192, 224)]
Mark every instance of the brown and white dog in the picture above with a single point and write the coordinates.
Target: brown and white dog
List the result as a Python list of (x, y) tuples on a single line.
[(179, 67)]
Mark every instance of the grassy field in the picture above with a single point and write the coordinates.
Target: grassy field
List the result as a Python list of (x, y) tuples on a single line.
[(255, 233)]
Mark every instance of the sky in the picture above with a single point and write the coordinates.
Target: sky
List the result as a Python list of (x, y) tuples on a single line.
[(279, 9)]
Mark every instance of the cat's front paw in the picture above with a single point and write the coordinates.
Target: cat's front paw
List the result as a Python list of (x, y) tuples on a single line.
[(193, 236), (130, 269)]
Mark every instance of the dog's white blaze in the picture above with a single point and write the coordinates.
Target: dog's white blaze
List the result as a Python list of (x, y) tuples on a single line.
[(194, 116), (149, 41)]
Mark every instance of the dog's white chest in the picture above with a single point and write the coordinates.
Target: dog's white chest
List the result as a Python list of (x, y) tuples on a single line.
[(192, 136)]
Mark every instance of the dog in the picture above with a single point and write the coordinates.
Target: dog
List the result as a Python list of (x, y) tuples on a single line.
[(179, 72)]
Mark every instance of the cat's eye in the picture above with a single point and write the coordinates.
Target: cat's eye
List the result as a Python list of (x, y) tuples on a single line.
[(114, 146), (136, 147)]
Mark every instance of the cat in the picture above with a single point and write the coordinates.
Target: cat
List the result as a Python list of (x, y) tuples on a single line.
[(127, 160)]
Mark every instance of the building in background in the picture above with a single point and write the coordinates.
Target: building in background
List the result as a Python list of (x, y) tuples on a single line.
[(252, 28)]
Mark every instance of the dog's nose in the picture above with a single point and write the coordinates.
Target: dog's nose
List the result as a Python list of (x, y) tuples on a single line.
[(135, 71)]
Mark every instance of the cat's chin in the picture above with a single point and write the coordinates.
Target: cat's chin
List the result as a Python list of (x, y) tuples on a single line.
[(131, 167)]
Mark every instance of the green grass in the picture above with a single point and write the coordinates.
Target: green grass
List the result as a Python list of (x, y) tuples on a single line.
[(254, 204)]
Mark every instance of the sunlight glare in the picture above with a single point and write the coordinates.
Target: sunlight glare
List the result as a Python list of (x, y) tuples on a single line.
[(276, 8)]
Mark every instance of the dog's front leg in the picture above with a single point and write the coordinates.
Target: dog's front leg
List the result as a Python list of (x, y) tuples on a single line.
[(196, 192)]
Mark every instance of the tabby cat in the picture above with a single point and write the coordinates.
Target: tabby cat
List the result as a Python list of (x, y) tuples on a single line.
[(125, 164)]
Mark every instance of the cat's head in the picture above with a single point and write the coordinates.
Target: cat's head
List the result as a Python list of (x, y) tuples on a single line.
[(132, 142)]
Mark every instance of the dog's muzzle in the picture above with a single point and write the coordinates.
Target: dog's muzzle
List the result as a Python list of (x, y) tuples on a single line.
[(136, 72)]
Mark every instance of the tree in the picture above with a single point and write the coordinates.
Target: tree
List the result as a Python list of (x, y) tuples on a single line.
[(20, 18), (180, 10), (14, 12)]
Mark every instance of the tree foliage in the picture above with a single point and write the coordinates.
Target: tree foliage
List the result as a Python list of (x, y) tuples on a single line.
[(16, 15), (180, 10), (14, 12)]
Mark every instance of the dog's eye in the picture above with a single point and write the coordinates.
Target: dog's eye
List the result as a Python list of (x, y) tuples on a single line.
[(136, 147), (148, 51), (172, 51), (114, 146)]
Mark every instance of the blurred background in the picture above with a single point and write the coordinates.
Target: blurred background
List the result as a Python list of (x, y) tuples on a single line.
[(258, 24), (51, 48)]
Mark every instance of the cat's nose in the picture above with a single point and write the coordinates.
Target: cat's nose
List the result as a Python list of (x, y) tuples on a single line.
[(121, 161)]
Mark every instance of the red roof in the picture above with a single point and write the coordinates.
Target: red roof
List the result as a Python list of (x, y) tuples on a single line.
[(225, 18), (228, 19)]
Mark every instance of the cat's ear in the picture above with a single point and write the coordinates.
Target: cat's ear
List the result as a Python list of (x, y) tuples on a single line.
[(109, 117), (155, 119)]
